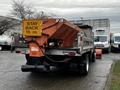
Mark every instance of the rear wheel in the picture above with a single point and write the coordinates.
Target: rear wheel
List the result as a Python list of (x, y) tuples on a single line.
[(0, 47), (84, 66), (93, 57)]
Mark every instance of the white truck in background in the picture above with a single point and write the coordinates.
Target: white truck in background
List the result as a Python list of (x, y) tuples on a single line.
[(5, 41), (102, 39), (115, 41)]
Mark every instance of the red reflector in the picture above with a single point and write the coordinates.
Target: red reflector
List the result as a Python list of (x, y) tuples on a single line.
[(71, 53)]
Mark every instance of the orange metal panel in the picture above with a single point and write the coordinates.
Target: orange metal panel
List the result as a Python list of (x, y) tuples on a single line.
[(35, 50), (56, 29)]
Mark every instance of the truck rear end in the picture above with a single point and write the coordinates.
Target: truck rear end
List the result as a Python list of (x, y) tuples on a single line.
[(57, 43)]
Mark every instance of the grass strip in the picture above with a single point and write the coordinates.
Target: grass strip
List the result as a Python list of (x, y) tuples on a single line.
[(115, 76)]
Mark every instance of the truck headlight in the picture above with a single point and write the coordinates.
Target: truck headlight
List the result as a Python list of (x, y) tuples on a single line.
[(106, 45), (115, 45)]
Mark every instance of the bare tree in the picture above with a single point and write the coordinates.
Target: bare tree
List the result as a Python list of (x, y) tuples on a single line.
[(5, 25), (21, 10), (40, 15)]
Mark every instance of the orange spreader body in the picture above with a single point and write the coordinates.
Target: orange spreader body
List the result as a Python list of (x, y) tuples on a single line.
[(53, 29)]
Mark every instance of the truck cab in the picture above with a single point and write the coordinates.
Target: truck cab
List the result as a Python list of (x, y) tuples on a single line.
[(115, 41), (102, 41)]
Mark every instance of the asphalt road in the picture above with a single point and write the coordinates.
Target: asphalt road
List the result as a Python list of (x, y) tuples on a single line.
[(11, 77)]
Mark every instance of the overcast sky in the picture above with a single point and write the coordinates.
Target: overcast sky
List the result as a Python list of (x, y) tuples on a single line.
[(74, 9)]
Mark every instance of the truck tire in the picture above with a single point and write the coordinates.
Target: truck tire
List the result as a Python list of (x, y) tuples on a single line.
[(0, 47), (93, 59), (84, 66)]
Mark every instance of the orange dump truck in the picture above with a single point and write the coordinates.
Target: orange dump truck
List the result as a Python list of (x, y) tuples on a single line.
[(57, 43)]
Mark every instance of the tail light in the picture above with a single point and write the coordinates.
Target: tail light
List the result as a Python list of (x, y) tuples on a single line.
[(71, 53)]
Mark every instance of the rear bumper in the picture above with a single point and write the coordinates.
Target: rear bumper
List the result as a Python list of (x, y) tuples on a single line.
[(28, 68)]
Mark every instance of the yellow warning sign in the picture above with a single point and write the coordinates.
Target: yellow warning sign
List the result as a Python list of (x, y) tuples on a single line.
[(32, 27)]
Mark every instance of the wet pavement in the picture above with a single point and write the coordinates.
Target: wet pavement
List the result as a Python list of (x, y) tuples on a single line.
[(11, 77)]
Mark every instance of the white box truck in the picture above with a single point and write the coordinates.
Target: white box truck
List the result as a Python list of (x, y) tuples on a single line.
[(102, 34), (102, 39)]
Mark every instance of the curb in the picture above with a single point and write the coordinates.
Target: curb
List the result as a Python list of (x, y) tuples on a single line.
[(108, 81)]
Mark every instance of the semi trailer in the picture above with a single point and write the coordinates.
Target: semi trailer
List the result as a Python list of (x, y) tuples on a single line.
[(57, 43)]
